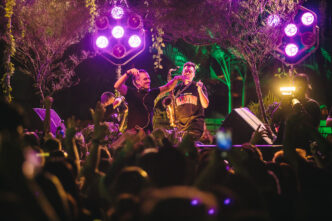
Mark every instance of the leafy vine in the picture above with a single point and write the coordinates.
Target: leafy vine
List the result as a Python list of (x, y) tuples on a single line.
[(91, 4), (157, 47), (9, 51)]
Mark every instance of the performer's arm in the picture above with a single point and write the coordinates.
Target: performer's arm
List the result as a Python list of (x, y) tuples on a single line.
[(171, 84), (120, 83), (202, 96)]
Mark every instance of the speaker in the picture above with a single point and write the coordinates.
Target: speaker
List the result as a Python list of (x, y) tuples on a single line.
[(38, 119), (242, 123)]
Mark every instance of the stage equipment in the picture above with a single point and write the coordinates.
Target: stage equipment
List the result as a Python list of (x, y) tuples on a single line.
[(56, 122), (169, 101), (242, 123), (119, 34), (300, 38)]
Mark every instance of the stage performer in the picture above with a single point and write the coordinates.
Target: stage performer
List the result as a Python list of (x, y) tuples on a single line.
[(298, 103), (141, 97), (191, 99)]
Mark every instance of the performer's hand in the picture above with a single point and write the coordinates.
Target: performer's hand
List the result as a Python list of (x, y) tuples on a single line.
[(179, 78), (133, 71), (199, 85)]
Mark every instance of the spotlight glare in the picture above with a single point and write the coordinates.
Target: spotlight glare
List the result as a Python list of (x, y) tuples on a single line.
[(227, 201), (291, 50), (134, 41), (117, 12), (307, 18), (211, 211), (291, 30), (194, 202), (117, 32), (273, 20), (102, 42)]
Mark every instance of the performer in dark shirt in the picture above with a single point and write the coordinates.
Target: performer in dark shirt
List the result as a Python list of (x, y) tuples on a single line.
[(299, 103), (141, 97), (191, 99)]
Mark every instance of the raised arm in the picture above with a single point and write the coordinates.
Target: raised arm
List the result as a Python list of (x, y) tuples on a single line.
[(202, 96), (120, 83), (171, 84)]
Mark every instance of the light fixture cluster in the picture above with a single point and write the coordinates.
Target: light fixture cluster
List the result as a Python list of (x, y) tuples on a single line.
[(119, 34), (300, 36)]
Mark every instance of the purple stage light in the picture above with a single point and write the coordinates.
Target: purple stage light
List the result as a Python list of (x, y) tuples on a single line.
[(117, 12), (227, 201), (102, 22), (118, 51), (211, 211), (291, 50), (307, 18), (134, 41), (273, 20), (102, 42), (134, 21), (291, 30), (194, 202), (117, 32), (308, 38)]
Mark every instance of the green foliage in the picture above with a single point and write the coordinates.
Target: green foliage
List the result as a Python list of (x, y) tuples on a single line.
[(9, 51), (326, 55), (173, 54), (268, 100)]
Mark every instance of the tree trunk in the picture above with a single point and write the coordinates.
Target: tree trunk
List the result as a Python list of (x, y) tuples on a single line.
[(255, 76), (244, 90)]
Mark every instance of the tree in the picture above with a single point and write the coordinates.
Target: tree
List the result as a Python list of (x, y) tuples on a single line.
[(239, 26), (44, 30), (228, 64)]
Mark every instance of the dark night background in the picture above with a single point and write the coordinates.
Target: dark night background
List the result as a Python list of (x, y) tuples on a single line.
[(97, 75)]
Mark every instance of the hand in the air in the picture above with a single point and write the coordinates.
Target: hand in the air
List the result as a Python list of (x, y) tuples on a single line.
[(133, 71), (199, 85)]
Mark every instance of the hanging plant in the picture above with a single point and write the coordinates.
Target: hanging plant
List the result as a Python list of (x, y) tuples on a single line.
[(91, 4), (9, 51), (157, 47)]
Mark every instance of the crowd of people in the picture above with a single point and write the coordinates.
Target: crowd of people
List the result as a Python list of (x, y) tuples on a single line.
[(100, 173)]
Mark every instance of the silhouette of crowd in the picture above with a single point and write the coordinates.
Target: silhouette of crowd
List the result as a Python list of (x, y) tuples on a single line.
[(97, 173)]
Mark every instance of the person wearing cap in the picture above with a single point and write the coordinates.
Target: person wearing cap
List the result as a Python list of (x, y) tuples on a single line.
[(191, 99)]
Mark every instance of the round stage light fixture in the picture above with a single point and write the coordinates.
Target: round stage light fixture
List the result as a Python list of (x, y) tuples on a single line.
[(273, 20), (117, 12), (118, 50), (291, 49), (291, 30), (102, 42), (134, 21), (307, 18), (102, 22), (134, 41), (118, 32)]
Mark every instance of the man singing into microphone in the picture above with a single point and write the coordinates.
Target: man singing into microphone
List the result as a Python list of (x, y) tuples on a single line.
[(191, 99)]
